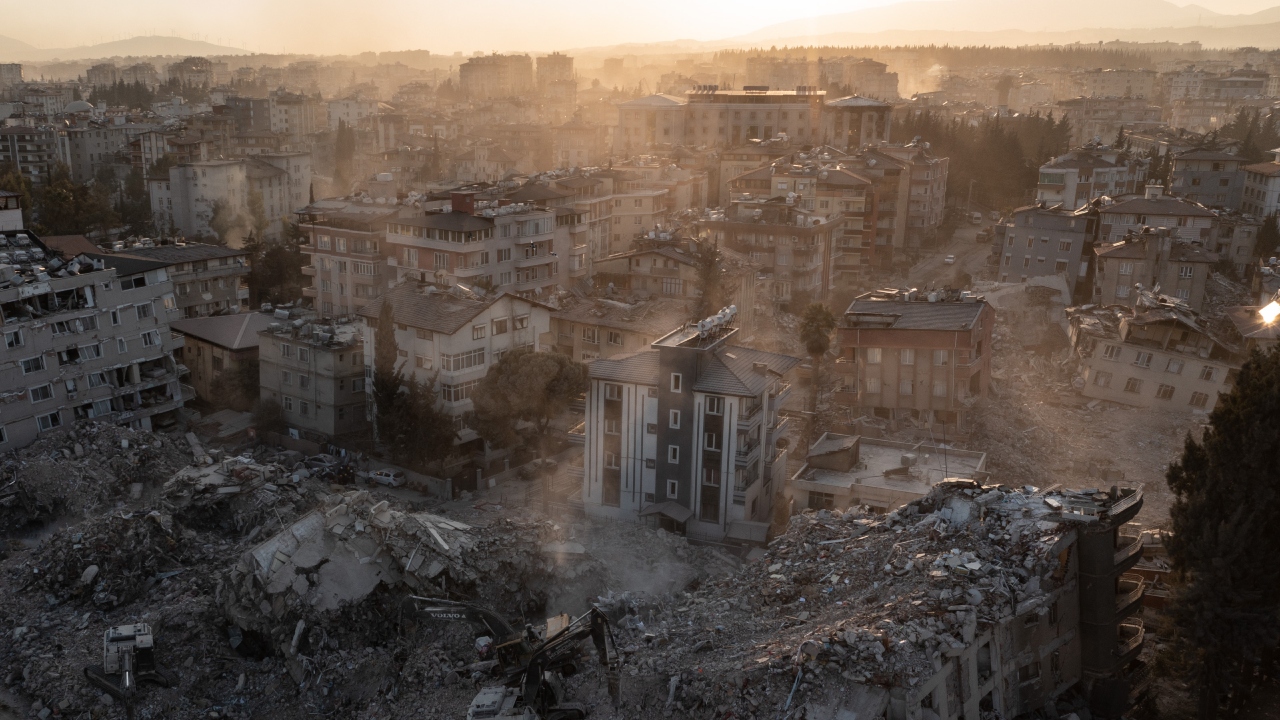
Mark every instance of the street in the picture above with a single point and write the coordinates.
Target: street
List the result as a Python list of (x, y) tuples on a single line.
[(971, 257)]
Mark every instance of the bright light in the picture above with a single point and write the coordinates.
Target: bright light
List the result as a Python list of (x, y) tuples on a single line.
[(1270, 312)]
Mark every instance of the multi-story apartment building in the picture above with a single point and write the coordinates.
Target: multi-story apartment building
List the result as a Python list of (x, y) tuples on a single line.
[(351, 110), (1188, 220), (1088, 173), (926, 201), (294, 116), (554, 68), (825, 188), (1235, 237), (851, 122), (252, 114), (1101, 118), (10, 75), (687, 188), (684, 434), (455, 337), (1111, 83), (496, 76), (1044, 240), (1261, 187), (348, 249), (186, 200), (207, 279), (316, 372), (793, 247), (926, 356), (603, 328), (89, 342), (213, 350), (1156, 353), (666, 270), (1209, 177), (33, 150), (738, 160), (1151, 258), (513, 248), (730, 118), (892, 182), (649, 121)]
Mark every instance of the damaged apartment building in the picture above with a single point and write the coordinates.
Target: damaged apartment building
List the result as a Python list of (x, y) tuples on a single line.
[(918, 356), (684, 434), (82, 341), (1159, 353)]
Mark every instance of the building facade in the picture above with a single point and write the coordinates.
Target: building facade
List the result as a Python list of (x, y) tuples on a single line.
[(1151, 259), (315, 370), (1209, 177), (1042, 240)]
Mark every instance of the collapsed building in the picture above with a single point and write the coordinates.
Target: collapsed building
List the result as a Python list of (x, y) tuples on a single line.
[(974, 601), (1160, 353)]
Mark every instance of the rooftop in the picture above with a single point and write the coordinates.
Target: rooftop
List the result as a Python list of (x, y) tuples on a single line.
[(233, 332), (913, 310), (653, 317), (885, 464)]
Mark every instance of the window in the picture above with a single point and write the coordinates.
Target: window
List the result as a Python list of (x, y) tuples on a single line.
[(13, 339), (459, 392), (34, 364), (873, 356), (286, 377), (115, 317), (304, 408), (715, 405), (615, 338), (1174, 366), (40, 393), (97, 379), (1102, 379), (477, 332), (144, 311), (939, 388), (872, 385), (907, 356), (1186, 271), (1111, 352), (1164, 392), (612, 427), (421, 334), (1206, 373), (673, 453), (304, 381), (941, 357), (673, 419), (422, 361), (711, 441), (1026, 261), (500, 326), (1064, 246), (93, 352), (672, 286), (673, 488), (675, 382), (287, 403), (286, 351), (1143, 359), (821, 500), (1133, 385), (611, 461), (357, 385), (50, 421), (462, 361), (1122, 291), (1199, 399), (150, 339), (1126, 268), (590, 335), (904, 387), (304, 354), (522, 322), (612, 391)]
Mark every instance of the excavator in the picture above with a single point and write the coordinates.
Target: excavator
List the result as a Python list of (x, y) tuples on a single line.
[(533, 664), (128, 652)]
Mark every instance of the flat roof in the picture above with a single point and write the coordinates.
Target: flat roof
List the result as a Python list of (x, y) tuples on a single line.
[(932, 464), (914, 314)]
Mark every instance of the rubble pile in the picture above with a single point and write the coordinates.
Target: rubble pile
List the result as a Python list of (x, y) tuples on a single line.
[(853, 600), (85, 469)]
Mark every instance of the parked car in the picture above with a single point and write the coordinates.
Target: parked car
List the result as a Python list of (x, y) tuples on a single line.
[(975, 218), (995, 216), (949, 260), (316, 462), (389, 477)]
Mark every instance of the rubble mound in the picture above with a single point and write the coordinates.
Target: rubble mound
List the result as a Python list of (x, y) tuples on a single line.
[(81, 471)]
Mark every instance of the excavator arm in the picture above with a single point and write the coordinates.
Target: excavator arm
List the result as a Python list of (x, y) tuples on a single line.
[(440, 609), (557, 653)]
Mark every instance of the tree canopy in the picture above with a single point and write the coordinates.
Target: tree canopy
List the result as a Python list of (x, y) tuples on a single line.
[(525, 386)]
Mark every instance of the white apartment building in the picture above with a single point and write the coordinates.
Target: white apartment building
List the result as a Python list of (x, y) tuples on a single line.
[(457, 335), (1262, 187), (351, 110), (1086, 174), (185, 202)]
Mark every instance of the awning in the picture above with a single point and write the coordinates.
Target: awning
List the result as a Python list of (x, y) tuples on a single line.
[(671, 509)]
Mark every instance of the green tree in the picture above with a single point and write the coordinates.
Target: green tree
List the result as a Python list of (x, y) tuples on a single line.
[(135, 204), (387, 375), (1225, 544), (710, 272), (815, 334), (525, 386), (409, 420), (65, 207), (11, 179)]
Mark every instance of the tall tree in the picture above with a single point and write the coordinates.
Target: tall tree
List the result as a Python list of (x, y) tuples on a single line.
[(387, 375), (1225, 542), (709, 266), (11, 179), (815, 334), (1268, 237), (525, 386)]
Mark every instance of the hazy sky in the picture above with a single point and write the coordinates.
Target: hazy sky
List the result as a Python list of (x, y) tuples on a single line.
[(347, 26)]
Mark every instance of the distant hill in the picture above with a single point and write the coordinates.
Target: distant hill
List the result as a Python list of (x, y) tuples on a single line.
[(988, 16), (142, 46)]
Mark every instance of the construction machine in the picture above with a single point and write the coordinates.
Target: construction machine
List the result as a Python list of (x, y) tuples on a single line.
[(533, 663), (128, 653)]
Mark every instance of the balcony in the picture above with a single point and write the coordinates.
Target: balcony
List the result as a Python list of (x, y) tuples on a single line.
[(744, 456), (1139, 680), (1129, 594), (781, 392), (309, 270), (578, 436), (576, 466), (535, 260), (1129, 552), (739, 498), (779, 426), (749, 417), (1129, 641)]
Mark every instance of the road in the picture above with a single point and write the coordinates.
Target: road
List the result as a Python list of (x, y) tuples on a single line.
[(971, 258)]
